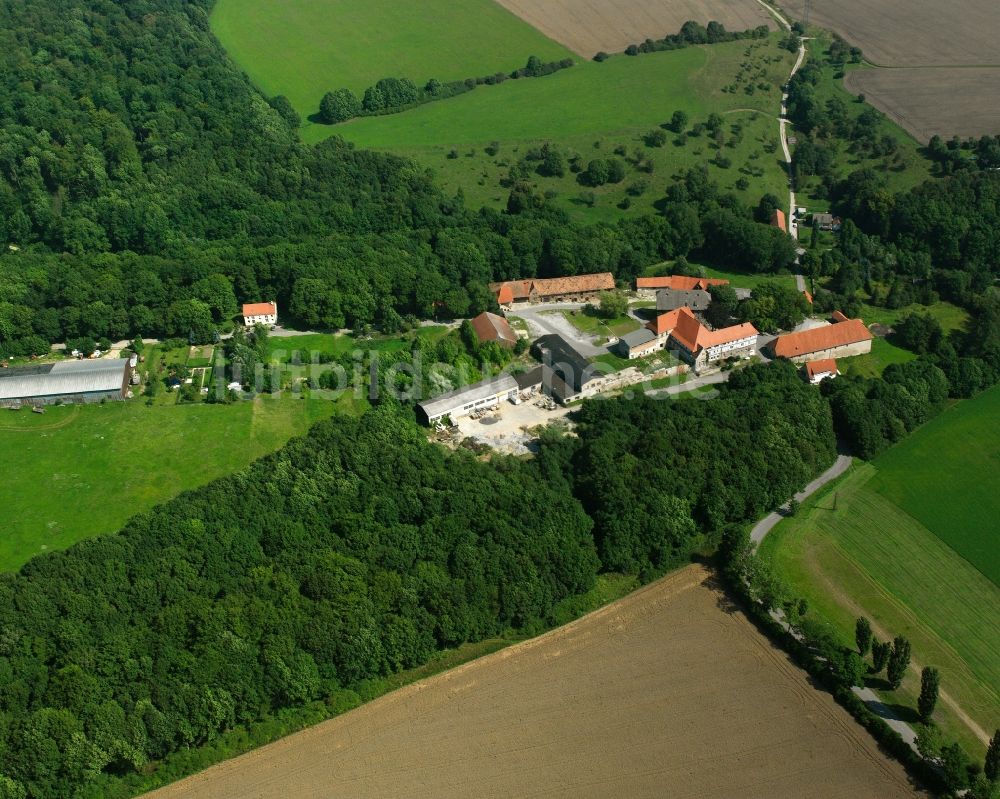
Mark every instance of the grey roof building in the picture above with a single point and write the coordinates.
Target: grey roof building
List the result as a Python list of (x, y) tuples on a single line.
[(66, 381), (465, 400), (566, 370), (672, 299)]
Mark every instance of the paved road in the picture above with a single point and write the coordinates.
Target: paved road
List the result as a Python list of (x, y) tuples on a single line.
[(889, 716), (765, 525), (793, 227)]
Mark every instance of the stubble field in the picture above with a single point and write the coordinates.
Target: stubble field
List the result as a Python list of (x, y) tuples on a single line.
[(931, 48), (589, 26), (958, 101), (667, 692), (913, 33)]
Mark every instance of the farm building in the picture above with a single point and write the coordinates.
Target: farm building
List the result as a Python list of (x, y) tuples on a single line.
[(818, 371), (579, 288), (639, 343), (260, 313), (646, 286), (672, 299), (827, 222), (840, 340), (778, 220), (566, 370), (462, 401), (698, 345), (491, 327), (66, 381)]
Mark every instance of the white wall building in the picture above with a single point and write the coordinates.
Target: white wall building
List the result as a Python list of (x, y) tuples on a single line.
[(260, 313)]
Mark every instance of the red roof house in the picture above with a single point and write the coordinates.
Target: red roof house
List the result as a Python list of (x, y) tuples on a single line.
[(491, 327)]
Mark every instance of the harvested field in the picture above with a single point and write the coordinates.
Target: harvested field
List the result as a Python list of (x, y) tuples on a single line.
[(944, 101), (666, 692), (589, 26), (913, 33)]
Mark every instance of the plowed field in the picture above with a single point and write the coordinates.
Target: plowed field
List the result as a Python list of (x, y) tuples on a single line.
[(668, 692), (589, 26)]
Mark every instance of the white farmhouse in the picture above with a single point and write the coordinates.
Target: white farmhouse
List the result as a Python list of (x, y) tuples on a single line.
[(260, 313)]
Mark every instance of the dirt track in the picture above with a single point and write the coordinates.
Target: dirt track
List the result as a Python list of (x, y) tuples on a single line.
[(668, 692), (589, 26)]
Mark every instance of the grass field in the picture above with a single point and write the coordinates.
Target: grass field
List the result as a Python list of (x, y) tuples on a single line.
[(911, 542), (945, 476), (883, 353), (950, 317), (591, 111), (79, 471), (720, 711), (595, 326), (305, 48)]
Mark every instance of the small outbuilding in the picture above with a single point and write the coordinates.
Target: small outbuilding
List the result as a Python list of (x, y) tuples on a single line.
[(818, 371), (778, 220), (639, 343), (493, 327)]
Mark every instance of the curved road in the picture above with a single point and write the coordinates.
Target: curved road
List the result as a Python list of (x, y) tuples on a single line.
[(793, 228), (765, 525)]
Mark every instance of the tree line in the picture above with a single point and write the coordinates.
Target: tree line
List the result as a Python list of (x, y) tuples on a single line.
[(692, 33), (356, 551), (392, 95)]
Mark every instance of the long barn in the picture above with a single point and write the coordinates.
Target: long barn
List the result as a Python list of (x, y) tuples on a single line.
[(66, 381)]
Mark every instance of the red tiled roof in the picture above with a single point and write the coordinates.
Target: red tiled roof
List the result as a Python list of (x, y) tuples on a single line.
[(808, 296), (548, 287), (490, 327), (814, 368), (679, 282), (841, 334), (713, 338), (259, 309), (665, 322), (684, 326), (778, 220), (838, 316)]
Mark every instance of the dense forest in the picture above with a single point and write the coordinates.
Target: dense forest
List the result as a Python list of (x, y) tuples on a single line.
[(357, 551), (146, 188)]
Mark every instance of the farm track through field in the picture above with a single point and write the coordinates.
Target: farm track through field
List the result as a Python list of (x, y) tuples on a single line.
[(670, 689), (4, 428), (880, 632)]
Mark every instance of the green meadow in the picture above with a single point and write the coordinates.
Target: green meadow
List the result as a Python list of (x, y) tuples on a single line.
[(910, 540), (305, 48), (599, 110), (80, 471), (946, 477)]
